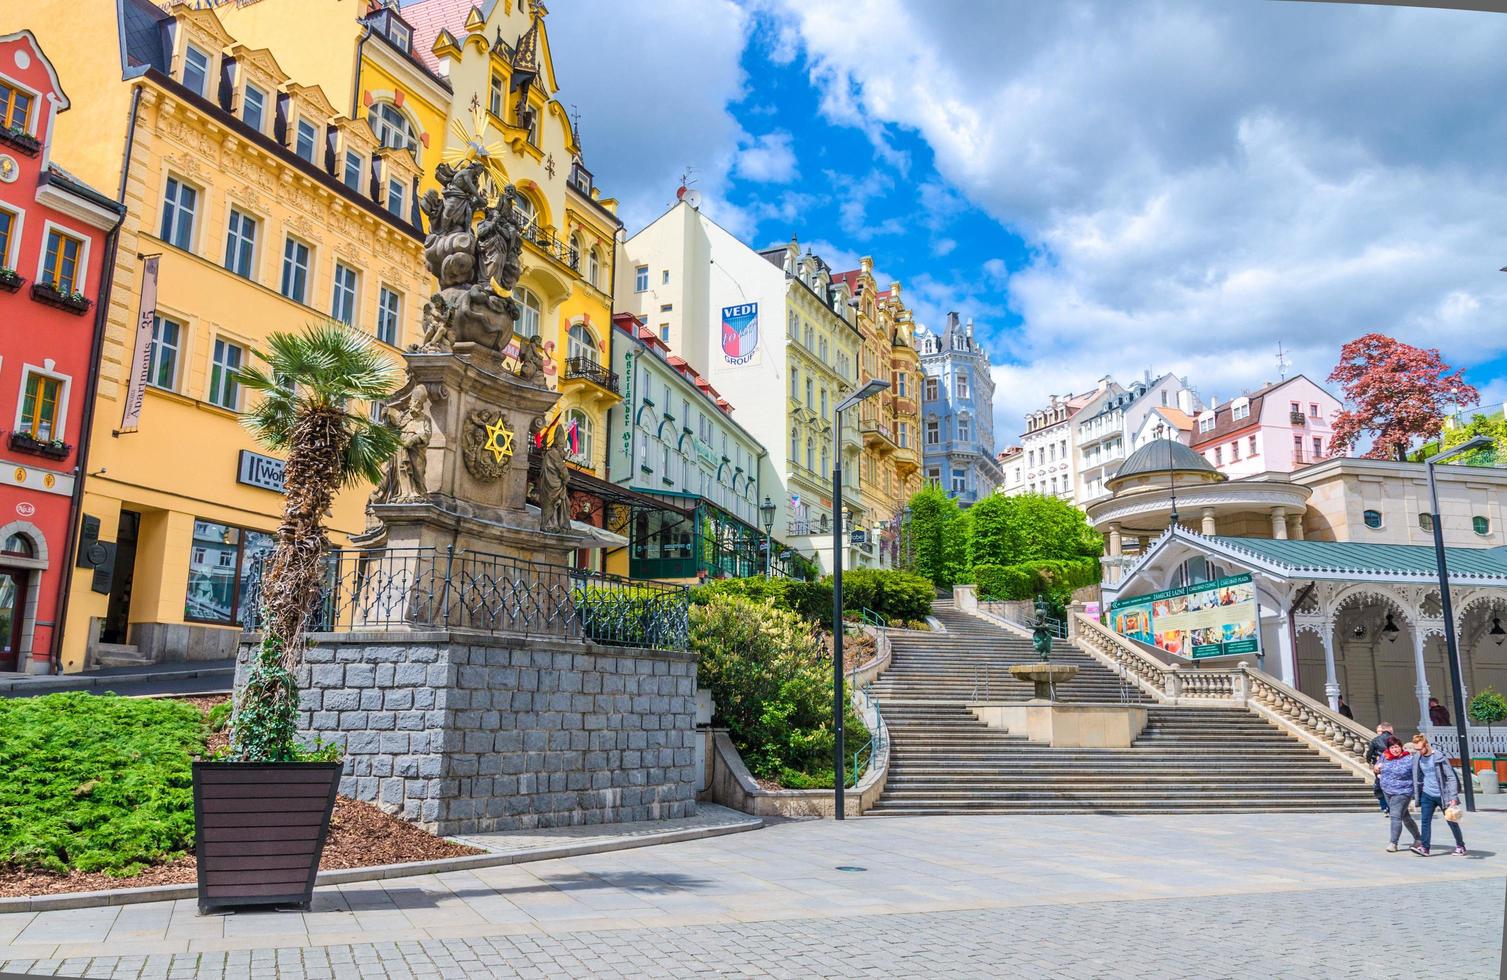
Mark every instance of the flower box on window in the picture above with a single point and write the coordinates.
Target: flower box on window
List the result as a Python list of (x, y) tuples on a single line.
[(21, 140), (11, 280), (51, 448), (76, 303)]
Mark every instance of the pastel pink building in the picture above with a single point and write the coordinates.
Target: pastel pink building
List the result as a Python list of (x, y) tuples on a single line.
[(1276, 429)]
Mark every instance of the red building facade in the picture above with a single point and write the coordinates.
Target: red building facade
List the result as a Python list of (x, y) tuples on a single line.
[(55, 244)]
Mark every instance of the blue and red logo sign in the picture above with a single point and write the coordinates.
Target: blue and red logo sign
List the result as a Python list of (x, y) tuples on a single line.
[(740, 332)]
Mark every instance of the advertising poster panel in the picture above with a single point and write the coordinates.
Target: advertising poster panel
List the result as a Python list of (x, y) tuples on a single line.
[(1210, 619)]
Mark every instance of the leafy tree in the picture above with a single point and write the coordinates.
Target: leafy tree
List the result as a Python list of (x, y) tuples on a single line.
[(1489, 708), (1397, 393), (940, 533), (1492, 426), (308, 408), (1029, 528)]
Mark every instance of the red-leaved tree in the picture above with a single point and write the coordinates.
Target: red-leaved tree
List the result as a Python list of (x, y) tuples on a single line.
[(1396, 392)]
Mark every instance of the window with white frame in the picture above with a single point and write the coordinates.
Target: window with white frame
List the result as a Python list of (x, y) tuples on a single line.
[(495, 95), (962, 384), (164, 354), (43, 399), (641, 279), (180, 205), (931, 389), (196, 70), (355, 171), (15, 107), (959, 480), (254, 107), (533, 311), (224, 390), (392, 128), (63, 261), (240, 243), (306, 141), (1240, 410), (965, 430), (584, 435), (389, 314), (10, 237), (397, 197), (582, 344), (594, 267), (343, 295), (1206, 422), (933, 432), (295, 280)]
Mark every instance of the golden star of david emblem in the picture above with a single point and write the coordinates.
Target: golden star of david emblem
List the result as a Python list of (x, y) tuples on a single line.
[(499, 440)]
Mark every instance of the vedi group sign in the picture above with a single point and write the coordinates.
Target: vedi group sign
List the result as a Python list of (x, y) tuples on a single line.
[(1210, 619)]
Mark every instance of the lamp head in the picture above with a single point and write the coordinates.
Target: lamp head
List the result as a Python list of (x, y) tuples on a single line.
[(1469, 445), (869, 390)]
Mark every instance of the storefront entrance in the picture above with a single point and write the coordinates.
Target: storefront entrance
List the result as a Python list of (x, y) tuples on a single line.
[(13, 592), (118, 613)]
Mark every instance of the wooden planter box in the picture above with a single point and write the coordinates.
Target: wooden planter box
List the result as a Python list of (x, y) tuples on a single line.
[(44, 292), (23, 443), (10, 282), (259, 829)]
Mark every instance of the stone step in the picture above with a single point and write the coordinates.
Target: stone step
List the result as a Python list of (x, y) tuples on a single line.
[(118, 655)]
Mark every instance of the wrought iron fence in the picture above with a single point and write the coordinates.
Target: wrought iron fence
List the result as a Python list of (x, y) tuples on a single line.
[(428, 588), (589, 369)]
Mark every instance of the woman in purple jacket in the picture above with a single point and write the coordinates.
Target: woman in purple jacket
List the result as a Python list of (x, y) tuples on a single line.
[(1395, 774)]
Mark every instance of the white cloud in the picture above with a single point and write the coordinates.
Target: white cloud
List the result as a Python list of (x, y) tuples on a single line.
[(654, 100), (1197, 181), (767, 159)]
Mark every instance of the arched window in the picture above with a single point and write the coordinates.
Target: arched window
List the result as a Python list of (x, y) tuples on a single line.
[(594, 267), (810, 453), (584, 435), (795, 446), (392, 128), (574, 255), (583, 344), (533, 311), (19, 545), (826, 460), (528, 216)]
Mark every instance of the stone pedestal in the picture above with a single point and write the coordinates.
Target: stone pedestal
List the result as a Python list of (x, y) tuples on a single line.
[(1045, 676), (476, 463), (1066, 726)]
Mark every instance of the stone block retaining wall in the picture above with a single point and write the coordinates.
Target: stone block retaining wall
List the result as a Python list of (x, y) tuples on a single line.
[(473, 732)]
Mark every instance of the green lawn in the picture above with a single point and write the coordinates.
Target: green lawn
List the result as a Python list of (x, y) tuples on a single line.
[(96, 783)]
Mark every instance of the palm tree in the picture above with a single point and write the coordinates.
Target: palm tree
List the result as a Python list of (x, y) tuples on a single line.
[(307, 409)]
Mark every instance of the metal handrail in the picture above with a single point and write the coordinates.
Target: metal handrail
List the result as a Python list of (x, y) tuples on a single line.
[(872, 618)]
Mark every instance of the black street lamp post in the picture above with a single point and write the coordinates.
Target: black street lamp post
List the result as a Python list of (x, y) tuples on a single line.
[(766, 514), (874, 387), (1446, 608)]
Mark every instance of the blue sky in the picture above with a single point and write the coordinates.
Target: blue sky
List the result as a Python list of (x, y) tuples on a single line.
[(1105, 186)]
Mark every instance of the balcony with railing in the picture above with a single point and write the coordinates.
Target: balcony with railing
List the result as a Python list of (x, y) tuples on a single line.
[(589, 371), (1297, 418), (877, 435)]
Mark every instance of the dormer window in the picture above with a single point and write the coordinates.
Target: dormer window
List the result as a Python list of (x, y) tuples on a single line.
[(254, 107), (397, 197), (399, 34), (1206, 422), (195, 70), (15, 109), (355, 171), (1240, 410), (306, 143), (393, 128)]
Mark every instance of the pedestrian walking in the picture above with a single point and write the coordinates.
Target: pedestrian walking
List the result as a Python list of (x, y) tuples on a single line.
[(1438, 713), (1435, 786), (1395, 775), (1374, 749)]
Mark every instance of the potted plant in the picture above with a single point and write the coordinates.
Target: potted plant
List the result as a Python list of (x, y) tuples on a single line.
[(1489, 707), (261, 814), (10, 280)]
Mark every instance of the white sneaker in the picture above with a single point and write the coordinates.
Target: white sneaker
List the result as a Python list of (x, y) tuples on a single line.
[(1392, 848)]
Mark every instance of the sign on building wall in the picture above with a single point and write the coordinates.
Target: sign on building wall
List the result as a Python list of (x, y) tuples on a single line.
[(256, 470), (1211, 619), (740, 332), (141, 349)]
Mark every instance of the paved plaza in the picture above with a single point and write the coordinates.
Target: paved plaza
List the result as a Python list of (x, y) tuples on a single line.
[(1078, 896)]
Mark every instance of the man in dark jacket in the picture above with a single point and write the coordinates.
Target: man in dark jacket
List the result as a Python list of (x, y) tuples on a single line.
[(1377, 746), (1438, 713)]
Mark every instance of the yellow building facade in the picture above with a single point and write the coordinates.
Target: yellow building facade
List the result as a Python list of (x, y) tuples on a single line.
[(507, 112), (254, 204)]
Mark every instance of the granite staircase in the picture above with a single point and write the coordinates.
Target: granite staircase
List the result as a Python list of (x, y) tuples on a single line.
[(1187, 760)]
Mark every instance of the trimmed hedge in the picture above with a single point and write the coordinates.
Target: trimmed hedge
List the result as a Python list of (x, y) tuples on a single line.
[(895, 595), (1030, 579)]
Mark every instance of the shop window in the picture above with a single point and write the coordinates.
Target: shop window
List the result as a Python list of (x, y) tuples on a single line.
[(221, 564), (1372, 518), (60, 263), (167, 345), (40, 408), (15, 108)]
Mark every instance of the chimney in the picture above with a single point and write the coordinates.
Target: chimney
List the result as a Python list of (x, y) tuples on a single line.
[(1185, 401), (970, 328)]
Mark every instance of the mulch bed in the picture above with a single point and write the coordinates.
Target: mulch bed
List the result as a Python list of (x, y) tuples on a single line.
[(361, 836)]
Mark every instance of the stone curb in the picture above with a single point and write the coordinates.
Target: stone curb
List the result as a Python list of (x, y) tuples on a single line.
[(346, 876), (83, 682)]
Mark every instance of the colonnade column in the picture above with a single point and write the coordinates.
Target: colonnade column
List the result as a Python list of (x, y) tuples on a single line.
[(1208, 527), (1114, 540), (1331, 676), (1422, 687), (1279, 523)]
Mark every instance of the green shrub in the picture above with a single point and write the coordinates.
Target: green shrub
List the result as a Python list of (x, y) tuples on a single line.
[(96, 783), (1030, 579), (771, 683), (895, 595)]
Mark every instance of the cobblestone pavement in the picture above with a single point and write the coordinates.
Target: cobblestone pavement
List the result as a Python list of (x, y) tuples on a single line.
[(1220, 895), (1324, 933)]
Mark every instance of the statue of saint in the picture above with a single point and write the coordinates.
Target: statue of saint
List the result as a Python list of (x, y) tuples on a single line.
[(393, 419), (415, 430), (437, 334), (552, 489), (531, 360)]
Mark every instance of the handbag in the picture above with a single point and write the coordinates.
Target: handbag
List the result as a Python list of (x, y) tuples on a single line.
[(1454, 813)]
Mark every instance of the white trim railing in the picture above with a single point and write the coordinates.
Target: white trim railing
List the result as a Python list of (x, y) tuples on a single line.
[(1484, 743)]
